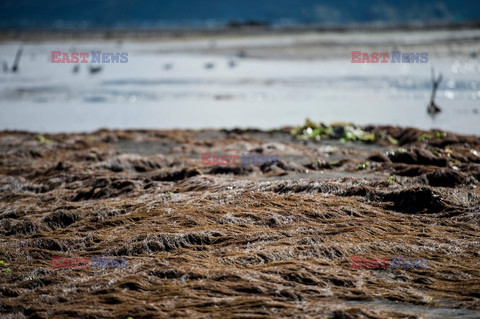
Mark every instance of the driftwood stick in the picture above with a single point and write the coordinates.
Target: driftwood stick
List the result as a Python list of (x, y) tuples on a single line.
[(17, 60), (433, 107)]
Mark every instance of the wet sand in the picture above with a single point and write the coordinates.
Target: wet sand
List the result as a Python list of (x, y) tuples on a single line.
[(231, 241)]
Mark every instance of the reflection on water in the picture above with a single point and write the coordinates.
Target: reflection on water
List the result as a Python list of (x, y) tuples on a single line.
[(164, 90)]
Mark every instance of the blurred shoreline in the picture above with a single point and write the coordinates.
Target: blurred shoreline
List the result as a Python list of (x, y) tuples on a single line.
[(289, 43), (231, 29)]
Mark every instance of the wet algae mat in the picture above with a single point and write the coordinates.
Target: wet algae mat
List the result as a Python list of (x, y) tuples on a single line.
[(239, 241)]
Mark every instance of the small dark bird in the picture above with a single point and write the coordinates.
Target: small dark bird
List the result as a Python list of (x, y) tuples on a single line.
[(17, 60), (95, 69), (242, 54), (433, 109), (209, 65), (76, 68)]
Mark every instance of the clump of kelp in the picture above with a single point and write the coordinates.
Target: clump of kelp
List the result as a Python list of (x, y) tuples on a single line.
[(236, 241), (344, 132)]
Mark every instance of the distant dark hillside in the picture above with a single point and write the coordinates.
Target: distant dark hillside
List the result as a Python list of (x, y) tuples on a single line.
[(147, 13)]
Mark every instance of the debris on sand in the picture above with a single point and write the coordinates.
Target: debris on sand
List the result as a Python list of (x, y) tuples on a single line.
[(262, 241)]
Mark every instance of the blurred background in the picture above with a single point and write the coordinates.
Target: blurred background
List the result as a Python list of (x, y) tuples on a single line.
[(245, 63)]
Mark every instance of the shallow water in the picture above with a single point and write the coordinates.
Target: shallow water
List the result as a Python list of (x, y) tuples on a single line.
[(166, 84)]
